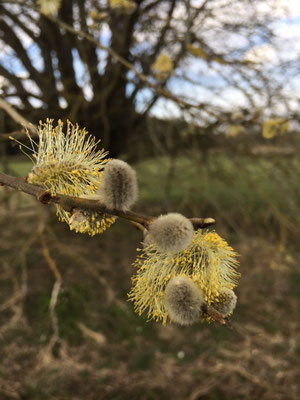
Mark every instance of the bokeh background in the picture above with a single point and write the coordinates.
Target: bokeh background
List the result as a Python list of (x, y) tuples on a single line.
[(233, 156)]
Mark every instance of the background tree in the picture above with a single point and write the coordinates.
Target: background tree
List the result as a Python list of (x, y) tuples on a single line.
[(114, 63)]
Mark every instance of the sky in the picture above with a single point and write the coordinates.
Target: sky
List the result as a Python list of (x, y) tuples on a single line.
[(287, 28)]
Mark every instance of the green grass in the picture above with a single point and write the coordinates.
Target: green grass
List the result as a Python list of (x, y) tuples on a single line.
[(19, 168), (241, 192), (246, 196), (228, 182)]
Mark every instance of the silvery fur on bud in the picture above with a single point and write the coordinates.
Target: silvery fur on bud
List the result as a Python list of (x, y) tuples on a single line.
[(118, 187), (171, 232), (183, 300)]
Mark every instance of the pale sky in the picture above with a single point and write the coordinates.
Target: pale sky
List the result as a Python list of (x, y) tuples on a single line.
[(287, 28)]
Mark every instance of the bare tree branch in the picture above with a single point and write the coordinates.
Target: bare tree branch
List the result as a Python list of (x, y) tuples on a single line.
[(19, 119), (14, 114), (17, 46), (156, 87)]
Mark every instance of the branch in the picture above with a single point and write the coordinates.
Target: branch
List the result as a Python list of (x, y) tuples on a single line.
[(176, 60), (70, 203), (13, 113), (55, 290), (18, 22), (16, 116), (16, 83), (13, 41)]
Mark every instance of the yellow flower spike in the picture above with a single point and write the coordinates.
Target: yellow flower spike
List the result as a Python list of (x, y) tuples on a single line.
[(68, 163), (163, 66), (208, 261)]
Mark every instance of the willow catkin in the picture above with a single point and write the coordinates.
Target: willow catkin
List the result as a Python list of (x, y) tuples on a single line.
[(226, 301), (171, 232), (183, 300), (118, 189), (66, 161), (208, 261)]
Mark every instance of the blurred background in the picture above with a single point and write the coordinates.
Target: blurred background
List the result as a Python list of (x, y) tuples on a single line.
[(201, 97)]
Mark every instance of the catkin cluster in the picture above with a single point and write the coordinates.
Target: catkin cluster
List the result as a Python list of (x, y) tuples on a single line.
[(180, 271), (177, 285), (68, 162)]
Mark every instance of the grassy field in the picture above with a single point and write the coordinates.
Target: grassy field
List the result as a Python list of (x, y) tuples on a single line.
[(240, 192), (104, 350)]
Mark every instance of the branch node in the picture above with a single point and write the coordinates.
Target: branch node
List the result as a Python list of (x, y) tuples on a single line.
[(200, 223), (44, 197)]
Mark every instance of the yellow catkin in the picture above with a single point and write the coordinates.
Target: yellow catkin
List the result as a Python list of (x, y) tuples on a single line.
[(69, 163), (163, 66), (125, 5), (49, 7), (209, 261)]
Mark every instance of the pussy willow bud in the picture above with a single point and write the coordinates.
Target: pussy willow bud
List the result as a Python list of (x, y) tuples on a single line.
[(172, 232), (226, 301), (118, 188), (183, 300)]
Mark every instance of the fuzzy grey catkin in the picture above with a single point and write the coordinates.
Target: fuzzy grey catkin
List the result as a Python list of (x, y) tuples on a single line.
[(183, 300), (118, 188), (171, 232), (226, 301)]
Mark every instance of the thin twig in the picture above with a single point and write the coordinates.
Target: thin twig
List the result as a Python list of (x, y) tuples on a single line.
[(14, 114), (19, 119), (70, 203), (55, 291)]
